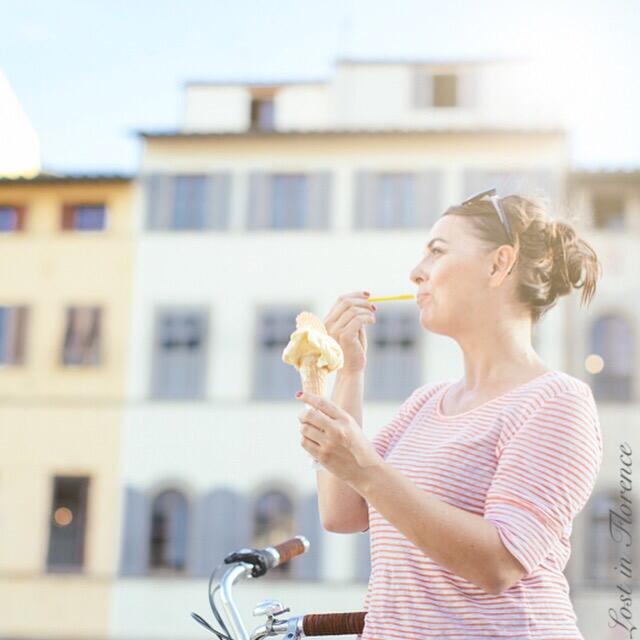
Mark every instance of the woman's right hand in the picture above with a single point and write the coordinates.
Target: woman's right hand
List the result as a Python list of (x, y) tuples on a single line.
[(345, 324)]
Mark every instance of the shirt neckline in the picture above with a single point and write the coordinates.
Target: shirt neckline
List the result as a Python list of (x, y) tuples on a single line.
[(443, 391)]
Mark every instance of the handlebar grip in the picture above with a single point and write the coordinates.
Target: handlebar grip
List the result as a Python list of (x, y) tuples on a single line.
[(291, 548), (333, 624)]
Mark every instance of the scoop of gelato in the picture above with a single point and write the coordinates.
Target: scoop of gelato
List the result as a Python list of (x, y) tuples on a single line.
[(311, 338)]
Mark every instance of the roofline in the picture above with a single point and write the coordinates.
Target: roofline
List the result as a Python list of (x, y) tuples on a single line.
[(68, 178), (315, 133), (274, 84), (606, 174), (262, 84), (476, 61)]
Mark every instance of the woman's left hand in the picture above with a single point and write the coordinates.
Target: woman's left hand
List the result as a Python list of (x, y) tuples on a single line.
[(334, 438)]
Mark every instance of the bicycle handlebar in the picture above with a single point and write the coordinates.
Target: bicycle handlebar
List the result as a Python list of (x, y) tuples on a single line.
[(333, 624), (253, 563), (290, 549)]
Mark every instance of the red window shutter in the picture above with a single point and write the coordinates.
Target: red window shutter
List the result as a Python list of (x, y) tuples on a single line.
[(20, 215), (68, 217)]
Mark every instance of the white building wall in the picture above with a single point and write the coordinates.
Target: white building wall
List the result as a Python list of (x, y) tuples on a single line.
[(226, 438)]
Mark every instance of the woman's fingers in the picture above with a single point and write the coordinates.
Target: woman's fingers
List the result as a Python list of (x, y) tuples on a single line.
[(349, 315), (343, 302), (310, 433)]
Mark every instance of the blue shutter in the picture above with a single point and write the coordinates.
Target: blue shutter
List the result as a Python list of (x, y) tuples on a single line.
[(318, 200), (136, 531), (428, 197), (363, 557), (223, 524), (218, 191), (259, 212), (365, 200), (307, 523), (159, 189)]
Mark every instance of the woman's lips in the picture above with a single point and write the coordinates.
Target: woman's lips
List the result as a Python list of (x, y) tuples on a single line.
[(421, 297)]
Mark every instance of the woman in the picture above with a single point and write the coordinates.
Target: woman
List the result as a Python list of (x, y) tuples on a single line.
[(470, 491)]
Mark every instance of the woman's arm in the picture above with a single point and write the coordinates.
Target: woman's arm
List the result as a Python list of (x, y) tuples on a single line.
[(342, 508), (464, 543)]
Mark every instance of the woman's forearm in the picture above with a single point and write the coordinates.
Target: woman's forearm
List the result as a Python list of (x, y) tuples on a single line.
[(341, 507)]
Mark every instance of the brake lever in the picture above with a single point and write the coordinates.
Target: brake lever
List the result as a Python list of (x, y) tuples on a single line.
[(255, 557)]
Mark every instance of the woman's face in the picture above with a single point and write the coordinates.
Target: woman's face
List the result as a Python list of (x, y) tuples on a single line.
[(454, 272)]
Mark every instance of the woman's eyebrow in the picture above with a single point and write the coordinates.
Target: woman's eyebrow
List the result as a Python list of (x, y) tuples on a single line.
[(435, 240)]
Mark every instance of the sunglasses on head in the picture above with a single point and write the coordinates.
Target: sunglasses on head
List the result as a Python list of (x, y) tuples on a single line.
[(495, 201)]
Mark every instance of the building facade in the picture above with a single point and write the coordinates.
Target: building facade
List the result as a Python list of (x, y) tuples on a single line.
[(148, 317), (66, 253)]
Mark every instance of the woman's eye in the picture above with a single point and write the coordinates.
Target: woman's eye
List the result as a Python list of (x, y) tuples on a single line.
[(435, 250)]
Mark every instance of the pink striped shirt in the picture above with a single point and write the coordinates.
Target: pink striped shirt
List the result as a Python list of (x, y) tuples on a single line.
[(527, 462)]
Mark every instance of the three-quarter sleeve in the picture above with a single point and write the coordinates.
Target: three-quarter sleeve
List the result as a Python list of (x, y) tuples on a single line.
[(547, 468)]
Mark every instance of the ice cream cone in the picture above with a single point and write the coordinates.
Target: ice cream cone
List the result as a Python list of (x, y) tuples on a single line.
[(314, 353), (312, 376)]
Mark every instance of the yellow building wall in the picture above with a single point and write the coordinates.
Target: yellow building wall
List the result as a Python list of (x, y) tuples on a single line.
[(57, 420)]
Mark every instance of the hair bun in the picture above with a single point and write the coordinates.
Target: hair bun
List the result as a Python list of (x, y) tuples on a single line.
[(567, 259)]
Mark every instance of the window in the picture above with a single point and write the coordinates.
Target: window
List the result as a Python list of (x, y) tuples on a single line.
[(187, 202), (289, 200), (602, 552), (397, 200), (273, 379), (273, 523), (445, 90), (609, 211), (612, 339), (11, 218), (169, 516), (180, 352), (262, 114), (432, 89), (12, 335), (82, 337), (67, 523), (393, 358), (84, 217)]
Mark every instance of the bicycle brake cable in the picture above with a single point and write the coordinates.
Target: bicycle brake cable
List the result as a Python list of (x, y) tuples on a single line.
[(199, 619)]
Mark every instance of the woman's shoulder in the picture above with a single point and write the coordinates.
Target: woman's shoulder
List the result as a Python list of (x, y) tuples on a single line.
[(423, 393), (560, 383)]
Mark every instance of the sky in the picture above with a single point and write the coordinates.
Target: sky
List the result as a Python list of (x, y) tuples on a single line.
[(90, 73)]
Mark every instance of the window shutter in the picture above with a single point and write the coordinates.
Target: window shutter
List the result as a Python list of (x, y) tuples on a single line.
[(468, 90), (136, 532), (223, 525), (259, 201), (217, 201), (68, 217), (318, 200), (363, 557), (307, 523), (366, 199), (20, 217), (19, 334), (159, 190), (428, 190)]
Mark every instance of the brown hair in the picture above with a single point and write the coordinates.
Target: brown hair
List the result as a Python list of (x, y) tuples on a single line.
[(550, 258)]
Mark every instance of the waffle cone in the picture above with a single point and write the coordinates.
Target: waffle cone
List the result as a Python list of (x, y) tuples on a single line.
[(312, 376)]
